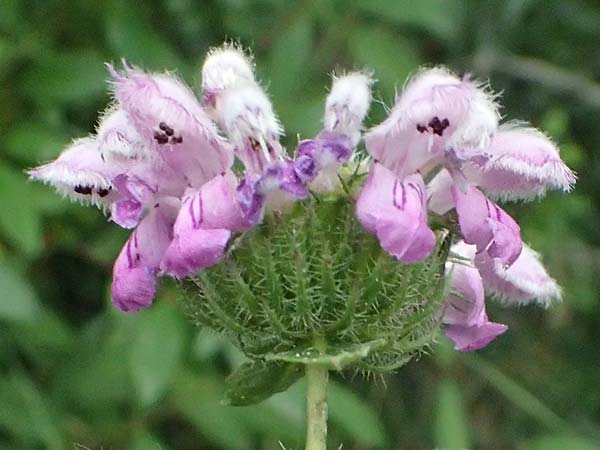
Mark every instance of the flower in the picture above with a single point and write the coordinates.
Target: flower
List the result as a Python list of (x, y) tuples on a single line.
[(318, 160), (162, 164), (447, 126), (467, 323)]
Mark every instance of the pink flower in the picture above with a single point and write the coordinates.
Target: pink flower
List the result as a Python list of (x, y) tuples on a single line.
[(395, 211), (467, 324)]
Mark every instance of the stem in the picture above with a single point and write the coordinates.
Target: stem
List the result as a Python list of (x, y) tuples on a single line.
[(316, 406)]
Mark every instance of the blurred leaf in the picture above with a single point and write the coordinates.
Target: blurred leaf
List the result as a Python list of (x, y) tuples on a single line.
[(147, 442), (26, 413), (33, 142), (129, 36), (18, 302), (451, 426), (516, 394), (255, 381), (392, 57), (355, 417), (20, 221), (198, 398), (65, 77), (560, 442), (156, 351), (289, 58), (439, 17)]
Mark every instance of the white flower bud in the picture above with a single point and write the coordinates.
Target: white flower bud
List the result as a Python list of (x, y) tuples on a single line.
[(348, 104), (225, 67)]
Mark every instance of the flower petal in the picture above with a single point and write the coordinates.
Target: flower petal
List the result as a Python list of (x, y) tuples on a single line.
[(166, 112), (80, 173), (487, 226), (523, 164), (136, 267), (525, 281), (246, 115), (436, 111), (395, 212), (465, 303), (347, 105), (467, 339), (118, 138), (193, 250)]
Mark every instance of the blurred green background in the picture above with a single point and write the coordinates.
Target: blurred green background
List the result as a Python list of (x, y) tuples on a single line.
[(76, 374)]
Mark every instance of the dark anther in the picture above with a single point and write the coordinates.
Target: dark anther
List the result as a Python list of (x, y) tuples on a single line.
[(255, 144), (421, 128), (176, 140), (161, 138), (438, 126), (166, 128), (103, 192), (84, 190)]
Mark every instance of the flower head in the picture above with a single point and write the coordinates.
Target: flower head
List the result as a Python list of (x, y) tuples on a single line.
[(309, 235)]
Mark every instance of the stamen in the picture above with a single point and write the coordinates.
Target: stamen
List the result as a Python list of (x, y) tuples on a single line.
[(161, 138), (83, 190), (421, 128), (176, 140), (104, 192), (438, 126), (166, 128)]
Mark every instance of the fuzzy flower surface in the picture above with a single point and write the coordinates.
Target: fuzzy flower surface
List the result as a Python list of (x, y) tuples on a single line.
[(446, 129), (161, 163)]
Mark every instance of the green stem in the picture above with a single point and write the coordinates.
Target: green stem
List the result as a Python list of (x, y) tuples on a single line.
[(316, 406)]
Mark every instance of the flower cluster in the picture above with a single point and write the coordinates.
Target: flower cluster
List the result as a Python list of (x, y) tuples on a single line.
[(445, 128), (162, 164)]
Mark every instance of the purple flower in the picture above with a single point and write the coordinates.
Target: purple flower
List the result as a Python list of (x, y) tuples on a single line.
[(467, 323), (395, 211), (206, 219)]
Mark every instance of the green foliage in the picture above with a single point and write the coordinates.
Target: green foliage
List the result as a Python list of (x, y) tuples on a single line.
[(311, 287), (66, 358)]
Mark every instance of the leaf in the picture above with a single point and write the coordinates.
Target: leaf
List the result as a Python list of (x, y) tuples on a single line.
[(147, 441), (18, 301), (156, 352), (518, 395), (560, 442), (355, 417), (26, 413), (65, 77), (198, 399), (20, 221), (392, 58), (438, 17), (451, 429), (255, 381), (334, 357)]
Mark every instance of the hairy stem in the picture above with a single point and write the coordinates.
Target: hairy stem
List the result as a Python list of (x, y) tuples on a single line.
[(316, 406)]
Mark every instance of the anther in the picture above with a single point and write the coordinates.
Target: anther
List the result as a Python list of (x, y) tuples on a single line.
[(103, 192), (161, 138), (438, 126), (176, 140), (83, 190), (421, 128), (166, 128)]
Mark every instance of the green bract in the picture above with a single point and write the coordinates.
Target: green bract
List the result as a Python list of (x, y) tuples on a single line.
[(310, 286)]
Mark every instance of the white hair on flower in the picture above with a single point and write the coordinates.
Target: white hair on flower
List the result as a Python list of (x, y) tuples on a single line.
[(226, 66), (79, 173), (117, 137), (348, 103), (524, 282)]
